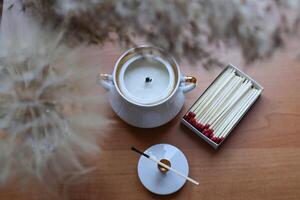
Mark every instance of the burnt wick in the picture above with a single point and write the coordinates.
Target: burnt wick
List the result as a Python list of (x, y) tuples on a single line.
[(148, 79)]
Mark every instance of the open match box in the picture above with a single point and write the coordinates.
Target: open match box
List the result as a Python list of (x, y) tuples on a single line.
[(222, 105)]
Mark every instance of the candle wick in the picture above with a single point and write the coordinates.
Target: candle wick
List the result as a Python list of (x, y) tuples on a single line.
[(148, 79)]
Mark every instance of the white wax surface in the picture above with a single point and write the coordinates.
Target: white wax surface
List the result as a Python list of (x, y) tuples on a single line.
[(133, 79)]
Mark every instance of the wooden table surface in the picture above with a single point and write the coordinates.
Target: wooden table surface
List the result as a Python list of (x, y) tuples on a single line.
[(259, 160)]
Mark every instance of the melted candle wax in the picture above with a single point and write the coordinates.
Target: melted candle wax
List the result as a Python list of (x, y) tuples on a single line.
[(147, 80)]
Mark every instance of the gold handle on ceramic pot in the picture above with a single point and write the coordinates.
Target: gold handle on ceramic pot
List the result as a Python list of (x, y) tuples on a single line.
[(190, 79), (190, 83), (105, 80)]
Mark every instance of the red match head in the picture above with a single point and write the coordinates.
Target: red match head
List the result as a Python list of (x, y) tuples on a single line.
[(207, 133), (189, 116), (199, 126), (215, 139), (186, 117), (206, 126), (212, 135), (192, 120), (192, 114), (218, 140), (221, 139)]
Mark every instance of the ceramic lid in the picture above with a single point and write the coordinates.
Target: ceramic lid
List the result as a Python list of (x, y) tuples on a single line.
[(156, 181)]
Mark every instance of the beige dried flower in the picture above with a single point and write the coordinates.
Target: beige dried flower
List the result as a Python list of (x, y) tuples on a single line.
[(186, 28), (47, 115)]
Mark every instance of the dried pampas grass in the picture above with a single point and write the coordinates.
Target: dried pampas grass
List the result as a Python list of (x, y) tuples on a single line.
[(185, 28), (48, 117)]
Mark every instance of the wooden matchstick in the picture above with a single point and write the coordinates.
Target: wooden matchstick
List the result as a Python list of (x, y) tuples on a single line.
[(212, 116), (232, 121), (165, 166), (224, 111), (210, 98), (215, 85), (236, 97), (209, 91), (218, 102), (225, 121), (217, 97), (219, 134), (246, 105)]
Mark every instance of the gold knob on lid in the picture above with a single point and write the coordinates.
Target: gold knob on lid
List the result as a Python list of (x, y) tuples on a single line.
[(161, 168)]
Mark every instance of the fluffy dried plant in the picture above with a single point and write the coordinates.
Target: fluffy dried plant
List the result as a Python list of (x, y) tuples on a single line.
[(187, 28), (48, 117)]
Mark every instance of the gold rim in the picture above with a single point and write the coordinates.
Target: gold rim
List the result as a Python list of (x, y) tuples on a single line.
[(144, 50)]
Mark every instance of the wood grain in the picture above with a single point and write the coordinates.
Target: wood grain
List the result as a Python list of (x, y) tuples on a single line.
[(260, 159)]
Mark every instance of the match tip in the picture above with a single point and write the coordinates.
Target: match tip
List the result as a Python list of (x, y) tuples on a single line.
[(194, 122), (206, 126), (186, 117), (192, 114), (207, 133), (139, 152), (199, 127), (133, 149), (136, 150), (215, 139)]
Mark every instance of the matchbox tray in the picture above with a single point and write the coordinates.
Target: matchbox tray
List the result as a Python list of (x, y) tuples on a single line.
[(200, 132)]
